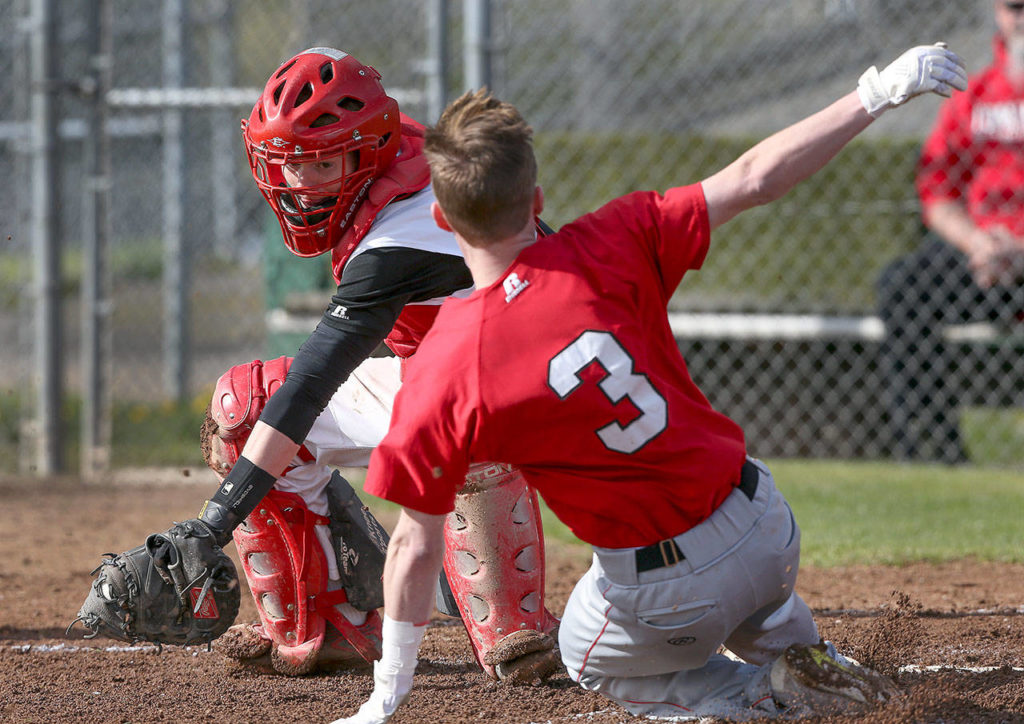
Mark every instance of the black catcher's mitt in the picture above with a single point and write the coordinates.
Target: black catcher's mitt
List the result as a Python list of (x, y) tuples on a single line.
[(179, 587)]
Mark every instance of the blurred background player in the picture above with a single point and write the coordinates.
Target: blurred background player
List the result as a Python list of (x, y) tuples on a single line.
[(343, 171), (970, 268), (693, 546)]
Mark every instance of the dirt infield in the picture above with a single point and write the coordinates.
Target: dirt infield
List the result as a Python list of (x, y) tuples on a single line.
[(951, 634)]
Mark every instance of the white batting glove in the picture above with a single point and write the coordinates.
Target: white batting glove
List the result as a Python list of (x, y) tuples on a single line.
[(924, 69)]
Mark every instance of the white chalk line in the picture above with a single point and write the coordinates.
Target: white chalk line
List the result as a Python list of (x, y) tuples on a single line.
[(926, 613), (196, 651), (67, 649), (918, 669)]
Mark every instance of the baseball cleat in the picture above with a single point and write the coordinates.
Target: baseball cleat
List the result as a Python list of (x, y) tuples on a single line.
[(529, 670), (808, 676), (297, 660), (518, 643), (245, 644)]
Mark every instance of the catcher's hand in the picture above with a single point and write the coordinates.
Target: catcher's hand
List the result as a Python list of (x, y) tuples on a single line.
[(179, 588)]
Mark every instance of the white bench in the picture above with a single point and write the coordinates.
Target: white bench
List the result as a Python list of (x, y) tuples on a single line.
[(719, 325)]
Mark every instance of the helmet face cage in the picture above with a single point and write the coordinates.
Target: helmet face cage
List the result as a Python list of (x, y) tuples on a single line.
[(313, 216), (321, 105)]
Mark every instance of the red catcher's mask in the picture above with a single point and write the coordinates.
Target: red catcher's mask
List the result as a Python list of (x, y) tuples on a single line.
[(322, 107)]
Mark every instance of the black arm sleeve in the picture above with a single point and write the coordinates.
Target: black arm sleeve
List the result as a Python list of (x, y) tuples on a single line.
[(374, 288)]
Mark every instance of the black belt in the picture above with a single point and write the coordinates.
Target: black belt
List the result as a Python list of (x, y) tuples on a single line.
[(666, 552)]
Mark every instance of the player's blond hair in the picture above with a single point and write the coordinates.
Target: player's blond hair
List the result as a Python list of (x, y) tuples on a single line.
[(482, 167)]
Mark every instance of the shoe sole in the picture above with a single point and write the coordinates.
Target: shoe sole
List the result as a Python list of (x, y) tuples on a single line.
[(814, 669)]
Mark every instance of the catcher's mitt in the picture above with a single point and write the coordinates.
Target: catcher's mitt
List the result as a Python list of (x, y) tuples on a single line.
[(179, 587)]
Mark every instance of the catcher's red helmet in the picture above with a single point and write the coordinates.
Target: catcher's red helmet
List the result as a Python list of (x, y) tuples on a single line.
[(321, 107)]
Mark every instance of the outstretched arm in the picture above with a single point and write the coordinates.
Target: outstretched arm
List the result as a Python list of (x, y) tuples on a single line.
[(775, 165)]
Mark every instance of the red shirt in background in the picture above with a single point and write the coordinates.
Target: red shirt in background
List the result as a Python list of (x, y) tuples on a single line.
[(976, 150)]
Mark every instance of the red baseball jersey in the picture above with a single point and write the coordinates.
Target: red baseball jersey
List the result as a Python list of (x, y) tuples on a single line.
[(567, 368), (975, 152)]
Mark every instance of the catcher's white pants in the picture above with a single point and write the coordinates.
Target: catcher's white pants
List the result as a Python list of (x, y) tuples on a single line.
[(346, 432), (358, 415), (648, 641), (344, 435)]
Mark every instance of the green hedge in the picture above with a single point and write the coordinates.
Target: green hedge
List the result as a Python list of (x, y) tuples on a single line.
[(820, 248), (144, 434)]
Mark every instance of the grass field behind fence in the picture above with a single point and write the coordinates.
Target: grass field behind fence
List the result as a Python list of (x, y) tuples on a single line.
[(888, 513), (881, 513), (860, 209)]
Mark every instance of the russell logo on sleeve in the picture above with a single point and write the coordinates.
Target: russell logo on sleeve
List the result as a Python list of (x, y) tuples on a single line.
[(513, 286)]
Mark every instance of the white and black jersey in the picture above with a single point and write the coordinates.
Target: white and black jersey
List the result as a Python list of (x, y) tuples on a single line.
[(405, 261)]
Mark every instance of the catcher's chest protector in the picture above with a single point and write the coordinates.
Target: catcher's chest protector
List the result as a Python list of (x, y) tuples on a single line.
[(494, 558), (286, 568)]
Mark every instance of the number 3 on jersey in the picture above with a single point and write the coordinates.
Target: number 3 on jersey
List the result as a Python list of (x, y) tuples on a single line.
[(621, 381)]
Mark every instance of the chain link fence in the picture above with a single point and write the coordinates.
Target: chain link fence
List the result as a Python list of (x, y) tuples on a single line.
[(782, 328)]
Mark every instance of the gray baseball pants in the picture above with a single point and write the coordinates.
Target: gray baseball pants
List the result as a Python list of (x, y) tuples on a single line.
[(649, 640)]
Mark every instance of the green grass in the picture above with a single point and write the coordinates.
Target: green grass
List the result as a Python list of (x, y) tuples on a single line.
[(871, 513), (144, 434), (131, 260), (779, 256), (158, 434), (879, 513), (994, 435)]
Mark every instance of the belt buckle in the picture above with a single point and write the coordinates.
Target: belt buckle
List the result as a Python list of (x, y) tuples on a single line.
[(671, 546)]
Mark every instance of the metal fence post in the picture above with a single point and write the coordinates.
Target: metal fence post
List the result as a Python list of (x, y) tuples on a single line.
[(223, 131), (436, 62), (43, 46), (97, 337), (176, 252), (477, 43), (23, 159)]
